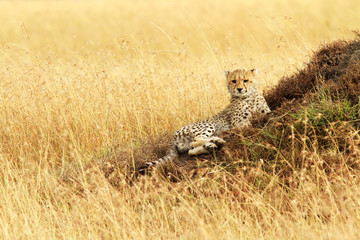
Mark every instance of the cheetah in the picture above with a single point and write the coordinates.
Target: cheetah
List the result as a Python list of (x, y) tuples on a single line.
[(203, 137)]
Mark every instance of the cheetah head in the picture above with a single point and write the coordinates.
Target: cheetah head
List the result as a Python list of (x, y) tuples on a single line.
[(241, 82)]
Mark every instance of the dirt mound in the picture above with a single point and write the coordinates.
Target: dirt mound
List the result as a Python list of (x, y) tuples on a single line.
[(314, 119), (337, 62)]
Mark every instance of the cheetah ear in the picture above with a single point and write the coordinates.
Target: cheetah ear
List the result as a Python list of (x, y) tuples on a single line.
[(226, 73), (254, 71)]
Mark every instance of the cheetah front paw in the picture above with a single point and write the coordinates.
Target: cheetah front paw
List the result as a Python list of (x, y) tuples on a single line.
[(197, 151), (199, 142), (218, 141), (210, 147)]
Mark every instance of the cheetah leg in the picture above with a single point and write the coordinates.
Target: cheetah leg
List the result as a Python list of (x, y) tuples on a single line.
[(205, 142), (218, 141), (208, 147), (197, 151), (199, 142)]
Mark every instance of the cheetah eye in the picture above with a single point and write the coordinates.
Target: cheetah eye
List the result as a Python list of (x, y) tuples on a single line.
[(245, 81), (233, 81)]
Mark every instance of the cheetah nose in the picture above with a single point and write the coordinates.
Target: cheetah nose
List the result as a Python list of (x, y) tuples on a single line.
[(239, 89)]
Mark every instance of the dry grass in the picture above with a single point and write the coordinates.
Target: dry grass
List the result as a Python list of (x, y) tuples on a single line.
[(78, 79)]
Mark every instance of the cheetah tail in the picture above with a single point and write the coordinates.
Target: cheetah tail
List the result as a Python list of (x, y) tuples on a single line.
[(172, 154)]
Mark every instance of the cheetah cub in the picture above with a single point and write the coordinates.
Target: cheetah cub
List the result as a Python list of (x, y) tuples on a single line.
[(203, 137)]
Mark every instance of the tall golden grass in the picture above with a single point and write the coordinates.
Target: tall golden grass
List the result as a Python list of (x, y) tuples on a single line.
[(80, 77)]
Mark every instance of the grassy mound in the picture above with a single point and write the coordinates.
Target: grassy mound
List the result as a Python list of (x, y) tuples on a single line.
[(313, 129)]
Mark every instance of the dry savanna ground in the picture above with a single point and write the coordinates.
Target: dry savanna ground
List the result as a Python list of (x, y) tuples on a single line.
[(79, 79)]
